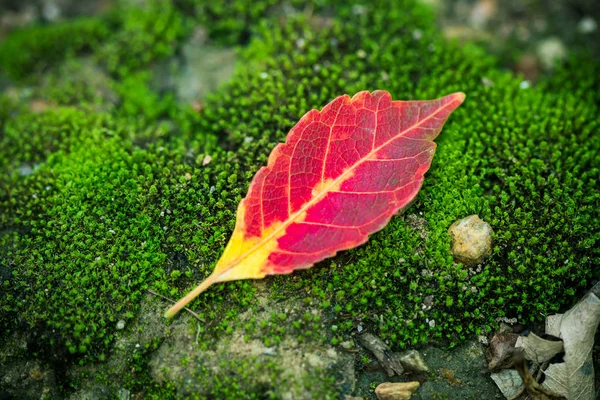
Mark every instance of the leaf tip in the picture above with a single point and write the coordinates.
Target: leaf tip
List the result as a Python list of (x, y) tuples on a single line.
[(460, 96)]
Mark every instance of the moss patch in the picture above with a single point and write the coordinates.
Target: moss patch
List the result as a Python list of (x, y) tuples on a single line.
[(32, 49), (99, 204)]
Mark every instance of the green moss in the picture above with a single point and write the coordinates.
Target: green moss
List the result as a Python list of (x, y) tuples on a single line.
[(29, 137), (127, 39), (104, 222), (233, 22), (8, 108), (139, 103), (142, 35), (30, 50), (77, 82), (114, 203)]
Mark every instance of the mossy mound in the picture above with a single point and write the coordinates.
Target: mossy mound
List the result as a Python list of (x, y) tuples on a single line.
[(33, 49), (103, 197)]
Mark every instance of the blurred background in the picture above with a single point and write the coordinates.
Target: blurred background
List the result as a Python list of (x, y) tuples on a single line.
[(529, 36)]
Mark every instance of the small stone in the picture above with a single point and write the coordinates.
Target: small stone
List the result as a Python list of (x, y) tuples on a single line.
[(197, 106), (120, 324), (482, 12), (528, 65), (199, 36), (396, 390), (270, 351), (202, 70), (428, 300), (525, 85), (487, 82), (413, 362), (207, 159), (40, 106), (51, 10), (504, 327), (587, 25), (25, 170), (347, 345), (124, 394), (471, 240), (550, 51), (359, 9)]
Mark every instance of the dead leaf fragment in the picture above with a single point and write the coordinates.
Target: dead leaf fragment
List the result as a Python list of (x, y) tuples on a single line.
[(500, 351), (537, 349), (574, 377), (508, 381), (396, 390), (530, 385)]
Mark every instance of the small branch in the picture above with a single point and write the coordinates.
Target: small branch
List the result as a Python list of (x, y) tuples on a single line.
[(541, 371), (534, 389)]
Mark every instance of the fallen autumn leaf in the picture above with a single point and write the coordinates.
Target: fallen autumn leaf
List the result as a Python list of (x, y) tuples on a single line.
[(340, 176)]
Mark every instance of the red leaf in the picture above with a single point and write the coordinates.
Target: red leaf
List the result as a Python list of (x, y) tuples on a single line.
[(340, 176)]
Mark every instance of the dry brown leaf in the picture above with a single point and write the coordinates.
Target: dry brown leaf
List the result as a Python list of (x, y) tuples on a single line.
[(537, 349), (574, 377)]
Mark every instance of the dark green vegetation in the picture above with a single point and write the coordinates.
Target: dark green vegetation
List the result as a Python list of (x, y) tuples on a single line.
[(103, 194)]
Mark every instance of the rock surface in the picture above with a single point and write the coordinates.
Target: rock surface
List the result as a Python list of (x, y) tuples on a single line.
[(204, 69), (471, 240)]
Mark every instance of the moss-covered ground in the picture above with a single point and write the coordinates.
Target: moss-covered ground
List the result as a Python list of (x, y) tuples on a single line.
[(106, 190)]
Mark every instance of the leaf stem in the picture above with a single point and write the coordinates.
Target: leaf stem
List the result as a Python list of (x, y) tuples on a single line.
[(191, 296)]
